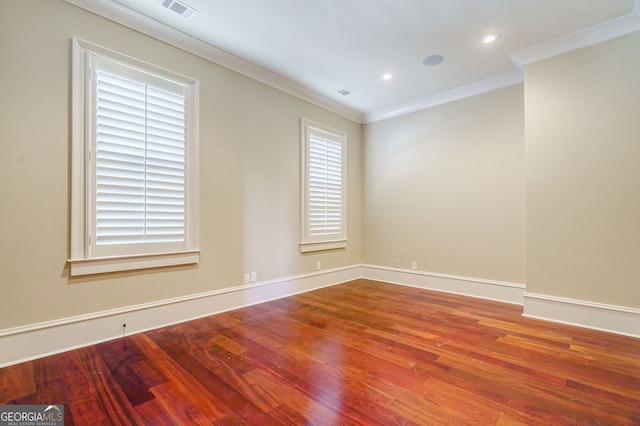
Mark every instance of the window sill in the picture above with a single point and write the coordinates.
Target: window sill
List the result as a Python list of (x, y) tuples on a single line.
[(324, 245), (103, 265)]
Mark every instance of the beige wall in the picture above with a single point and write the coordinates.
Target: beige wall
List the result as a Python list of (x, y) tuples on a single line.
[(445, 187), (583, 173), (249, 180)]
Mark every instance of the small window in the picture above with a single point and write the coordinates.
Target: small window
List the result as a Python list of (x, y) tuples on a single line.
[(134, 164), (323, 184)]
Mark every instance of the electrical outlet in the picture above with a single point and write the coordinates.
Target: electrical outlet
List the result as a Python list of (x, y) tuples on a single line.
[(318, 265), (254, 276), (247, 278), (397, 263), (414, 265)]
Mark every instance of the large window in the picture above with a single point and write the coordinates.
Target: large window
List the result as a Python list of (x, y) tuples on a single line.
[(134, 164), (323, 184)]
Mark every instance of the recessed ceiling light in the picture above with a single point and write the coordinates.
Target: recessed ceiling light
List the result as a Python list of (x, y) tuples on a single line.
[(490, 38), (432, 60), (387, 76)]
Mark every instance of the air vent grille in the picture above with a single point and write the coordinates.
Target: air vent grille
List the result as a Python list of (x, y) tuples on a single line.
[(345, 92), (178, 7)]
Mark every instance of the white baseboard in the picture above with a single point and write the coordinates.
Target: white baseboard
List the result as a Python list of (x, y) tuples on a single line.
[(595, 316), (33, 341), (474, 287)]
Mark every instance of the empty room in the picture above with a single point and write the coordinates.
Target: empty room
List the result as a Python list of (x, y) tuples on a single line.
[(351, 212)]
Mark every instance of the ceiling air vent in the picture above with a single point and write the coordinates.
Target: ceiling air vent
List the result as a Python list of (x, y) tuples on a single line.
[(178, 7), (345, 92)]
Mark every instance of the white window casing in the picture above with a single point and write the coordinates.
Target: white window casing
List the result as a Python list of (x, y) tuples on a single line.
[(134, 164), (323, 188)]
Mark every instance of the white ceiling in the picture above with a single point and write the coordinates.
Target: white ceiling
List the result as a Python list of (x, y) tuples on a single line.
[(323, 46)]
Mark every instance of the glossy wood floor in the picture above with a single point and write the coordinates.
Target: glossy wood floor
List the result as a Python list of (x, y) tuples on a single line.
[(357, 353)]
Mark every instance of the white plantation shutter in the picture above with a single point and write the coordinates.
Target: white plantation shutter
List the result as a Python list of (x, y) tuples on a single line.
[(323, 188), (325, 185), (165, 166), (140, 157), (139, 162), (134, 162)]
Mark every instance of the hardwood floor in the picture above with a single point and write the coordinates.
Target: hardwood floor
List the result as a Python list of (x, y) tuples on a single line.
[(357, 353)]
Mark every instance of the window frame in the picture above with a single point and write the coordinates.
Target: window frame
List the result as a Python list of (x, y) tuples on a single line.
[(326, 241), (82, 261)]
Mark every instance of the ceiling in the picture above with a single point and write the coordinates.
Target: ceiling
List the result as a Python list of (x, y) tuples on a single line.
[(325, 46)]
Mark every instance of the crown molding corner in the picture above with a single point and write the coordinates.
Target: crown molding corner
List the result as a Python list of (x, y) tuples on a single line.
[(597, 34)]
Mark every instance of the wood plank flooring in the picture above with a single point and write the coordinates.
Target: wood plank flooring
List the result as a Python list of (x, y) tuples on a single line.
[(360, 353)]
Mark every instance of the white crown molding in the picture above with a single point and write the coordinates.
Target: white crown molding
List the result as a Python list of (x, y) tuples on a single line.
[(487, 85), (122, 15), (580, 313), (597, 34), (587, 37)]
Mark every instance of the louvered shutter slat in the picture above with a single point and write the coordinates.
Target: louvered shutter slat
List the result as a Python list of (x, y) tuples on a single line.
[(325, 186), (165, 194), (119, 160), (140, 162)]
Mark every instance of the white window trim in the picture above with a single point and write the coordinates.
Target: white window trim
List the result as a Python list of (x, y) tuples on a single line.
[(310, 243), (81, 263)]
